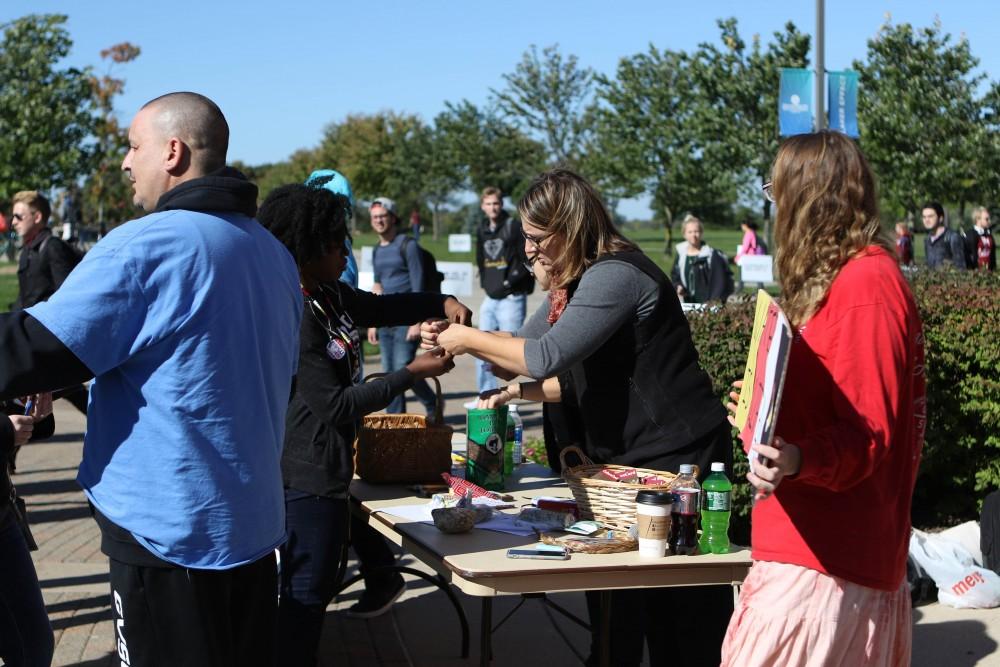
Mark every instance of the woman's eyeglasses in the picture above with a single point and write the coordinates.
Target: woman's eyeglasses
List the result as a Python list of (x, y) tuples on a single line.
[(536, 241), (768, 189)]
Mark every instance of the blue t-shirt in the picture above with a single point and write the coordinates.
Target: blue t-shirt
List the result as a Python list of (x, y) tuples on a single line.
[(395, 275), (190, 323)]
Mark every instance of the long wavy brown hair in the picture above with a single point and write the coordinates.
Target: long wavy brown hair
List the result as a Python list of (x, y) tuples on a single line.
[(827, 212), (565, 205)]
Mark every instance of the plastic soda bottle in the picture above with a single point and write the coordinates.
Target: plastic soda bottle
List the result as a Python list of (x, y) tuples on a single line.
[(684, 512), (518, 434), (716, 507)]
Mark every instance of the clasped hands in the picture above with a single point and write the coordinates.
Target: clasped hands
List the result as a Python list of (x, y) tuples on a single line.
[(769, 464), (25, 424)]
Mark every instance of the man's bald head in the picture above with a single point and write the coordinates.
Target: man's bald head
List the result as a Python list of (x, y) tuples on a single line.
[(198, 122)]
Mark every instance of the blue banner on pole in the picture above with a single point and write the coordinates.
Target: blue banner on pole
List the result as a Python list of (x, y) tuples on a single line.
[(795, 101), (842, 89)]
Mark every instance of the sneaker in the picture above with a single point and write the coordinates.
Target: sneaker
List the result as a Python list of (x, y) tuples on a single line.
[(471, 405), (376, 602)]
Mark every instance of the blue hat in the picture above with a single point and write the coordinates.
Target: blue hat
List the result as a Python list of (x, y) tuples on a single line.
[(332, 180)]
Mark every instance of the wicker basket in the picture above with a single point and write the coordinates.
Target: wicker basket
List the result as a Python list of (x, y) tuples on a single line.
[(611, 504), (403, 449)]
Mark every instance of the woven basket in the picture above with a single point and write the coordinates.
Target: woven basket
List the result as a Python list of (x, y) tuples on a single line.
[(611, 504), (403, 449), (577, 544)]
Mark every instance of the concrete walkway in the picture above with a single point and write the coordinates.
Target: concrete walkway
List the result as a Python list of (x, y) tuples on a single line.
[(420, 630)]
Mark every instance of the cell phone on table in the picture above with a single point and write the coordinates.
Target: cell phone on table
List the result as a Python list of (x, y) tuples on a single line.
[(538, 554)]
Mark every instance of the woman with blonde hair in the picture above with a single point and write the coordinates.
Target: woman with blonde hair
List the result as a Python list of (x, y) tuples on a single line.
[(832, 521), (611, 341)]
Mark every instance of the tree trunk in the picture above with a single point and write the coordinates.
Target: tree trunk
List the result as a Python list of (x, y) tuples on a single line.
[(436, 219)]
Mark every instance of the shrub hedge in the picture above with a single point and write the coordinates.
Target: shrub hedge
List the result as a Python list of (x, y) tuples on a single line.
[(961, 457)]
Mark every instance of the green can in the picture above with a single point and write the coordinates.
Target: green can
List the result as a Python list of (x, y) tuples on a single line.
[(487, 430)]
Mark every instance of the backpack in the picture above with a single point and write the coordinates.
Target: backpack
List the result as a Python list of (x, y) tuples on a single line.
[(761, 246), (432, 278), (75, 253)]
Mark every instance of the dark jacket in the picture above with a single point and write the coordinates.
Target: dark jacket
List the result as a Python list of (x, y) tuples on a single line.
[(642, 394), (713, 280), (501, 260), (42, 430), (43, 266), (945, 249), (327, 404), (972, 243)]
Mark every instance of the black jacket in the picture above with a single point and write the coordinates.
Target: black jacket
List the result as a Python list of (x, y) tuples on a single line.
[(945, 249), (972, 237), (326, 405), (501, 260), (642, 394), (43, 266), (713, 278)]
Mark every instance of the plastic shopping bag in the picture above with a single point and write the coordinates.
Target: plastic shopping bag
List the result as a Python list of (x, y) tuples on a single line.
[(961, 583)]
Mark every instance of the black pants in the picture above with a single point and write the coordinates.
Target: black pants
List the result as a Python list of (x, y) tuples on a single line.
[(25, 635), (317, 531), (686, 623), (169, 616)]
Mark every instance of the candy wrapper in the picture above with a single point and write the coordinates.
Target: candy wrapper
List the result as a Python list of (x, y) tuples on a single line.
[(460, 486), (614, 475), (653, 480)]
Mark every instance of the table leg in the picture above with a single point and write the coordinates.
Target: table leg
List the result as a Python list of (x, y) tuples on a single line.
[(486, 633), (605, 631)]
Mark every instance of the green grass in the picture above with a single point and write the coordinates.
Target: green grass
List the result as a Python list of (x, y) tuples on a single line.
[(8, 289)]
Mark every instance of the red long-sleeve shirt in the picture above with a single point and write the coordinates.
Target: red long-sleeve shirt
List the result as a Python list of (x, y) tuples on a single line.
[(855, 404)]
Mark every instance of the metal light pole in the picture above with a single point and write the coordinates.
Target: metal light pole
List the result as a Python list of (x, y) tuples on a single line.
[(820, 69)]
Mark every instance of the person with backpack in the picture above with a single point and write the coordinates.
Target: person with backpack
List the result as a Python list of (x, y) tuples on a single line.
[(943, 246), (45, 259), (45, 262), (400, 268), (503, 274), (700, 272)]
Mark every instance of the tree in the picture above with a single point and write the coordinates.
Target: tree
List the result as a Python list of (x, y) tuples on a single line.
[(46, 113), (925, 131), (551, 96), (644, 140), (738, 119), (107, 196), (487, 150), (370, 150)]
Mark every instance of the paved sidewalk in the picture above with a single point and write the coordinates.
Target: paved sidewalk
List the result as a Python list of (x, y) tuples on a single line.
[(420, 630)]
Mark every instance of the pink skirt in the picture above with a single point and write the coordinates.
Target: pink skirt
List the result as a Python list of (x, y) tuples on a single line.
[(790, 615)]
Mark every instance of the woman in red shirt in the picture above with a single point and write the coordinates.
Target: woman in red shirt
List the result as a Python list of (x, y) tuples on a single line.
[(831, 523)]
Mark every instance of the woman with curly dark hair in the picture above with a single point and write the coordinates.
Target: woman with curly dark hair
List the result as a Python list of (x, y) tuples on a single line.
[(832, 527), (326, 405)]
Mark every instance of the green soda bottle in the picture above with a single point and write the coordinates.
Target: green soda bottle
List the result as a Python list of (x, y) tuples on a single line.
[(717, 495), (508, 447)]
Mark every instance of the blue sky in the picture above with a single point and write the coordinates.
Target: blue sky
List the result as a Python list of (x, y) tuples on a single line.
[(282, 71)]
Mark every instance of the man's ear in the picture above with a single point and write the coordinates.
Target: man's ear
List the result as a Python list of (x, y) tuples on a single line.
[(178, 156)]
